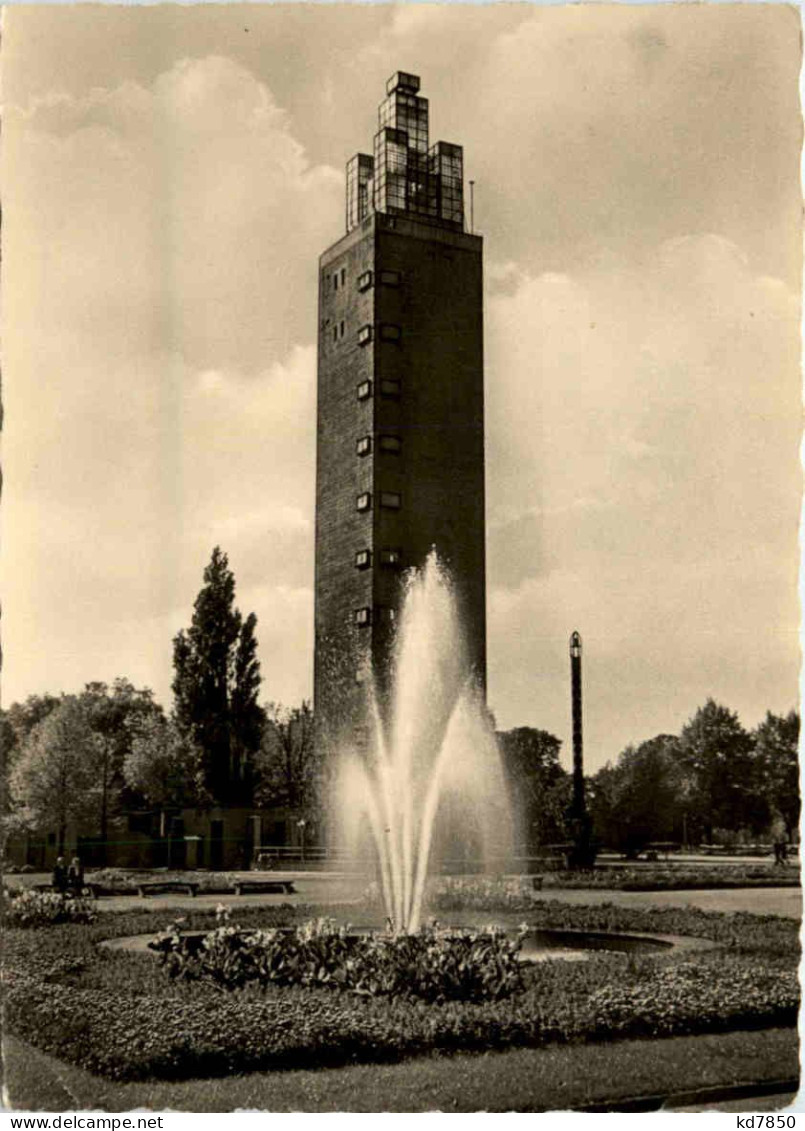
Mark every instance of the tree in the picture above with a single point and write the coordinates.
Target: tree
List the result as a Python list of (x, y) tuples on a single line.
[(289, 767), (715, 757), (25, 716), (216, 683), (539, 787), (110, 715), (637, 801), (17, 723), (54, 778), (776, 742), (161, 766)]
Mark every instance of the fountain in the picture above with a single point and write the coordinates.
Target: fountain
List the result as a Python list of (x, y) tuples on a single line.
[(429, 785)]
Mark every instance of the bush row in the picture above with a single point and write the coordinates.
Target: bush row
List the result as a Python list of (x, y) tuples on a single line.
[(675, 877), (123, 880)]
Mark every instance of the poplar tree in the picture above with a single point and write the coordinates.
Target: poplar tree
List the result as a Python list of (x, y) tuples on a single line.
[(216, 685)]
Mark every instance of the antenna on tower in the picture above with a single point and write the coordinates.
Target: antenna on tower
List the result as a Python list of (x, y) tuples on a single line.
[(472, 206)]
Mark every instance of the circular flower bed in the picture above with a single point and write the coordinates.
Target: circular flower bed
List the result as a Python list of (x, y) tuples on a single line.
[(435, 964)]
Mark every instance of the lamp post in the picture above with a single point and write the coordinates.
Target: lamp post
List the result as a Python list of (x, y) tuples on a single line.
[(582, 854), (579, 807)]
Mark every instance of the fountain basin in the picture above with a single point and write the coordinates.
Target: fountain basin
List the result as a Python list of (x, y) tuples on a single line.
[(539, 944), (544, 944)]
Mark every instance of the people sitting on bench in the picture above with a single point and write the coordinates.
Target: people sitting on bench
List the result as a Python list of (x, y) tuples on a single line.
[(59, 876), (75, 876)]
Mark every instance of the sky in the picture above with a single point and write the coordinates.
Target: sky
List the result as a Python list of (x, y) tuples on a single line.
[(170, 176)]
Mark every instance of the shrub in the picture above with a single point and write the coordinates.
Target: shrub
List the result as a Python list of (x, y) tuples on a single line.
[(433, 965), (44, 909)]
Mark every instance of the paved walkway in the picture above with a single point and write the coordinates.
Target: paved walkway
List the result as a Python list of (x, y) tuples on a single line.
[(326, 889)]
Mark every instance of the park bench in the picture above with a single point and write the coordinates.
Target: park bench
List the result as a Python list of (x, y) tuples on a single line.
[(272, 887), (157, 887)]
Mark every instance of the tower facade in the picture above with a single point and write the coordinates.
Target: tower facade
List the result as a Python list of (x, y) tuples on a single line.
[(400, 431)]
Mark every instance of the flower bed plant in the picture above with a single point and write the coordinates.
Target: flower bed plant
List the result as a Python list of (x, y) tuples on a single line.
[(43, 909), (117, 1014), (436, 964)]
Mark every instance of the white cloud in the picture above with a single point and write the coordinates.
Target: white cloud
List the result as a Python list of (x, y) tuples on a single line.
[(174, 390), (188, 218), (643, 433)]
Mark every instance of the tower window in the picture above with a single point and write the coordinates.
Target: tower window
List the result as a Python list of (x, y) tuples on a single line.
[(390, 278), (364, 501), (338, 331), (364, 335), (391, 557), (335, 281), (364, 390), (364, 446), (390, 444), (390, 333), (363, 559), (343, 275), (391, 500), (385, 614), (365, 281), (363, 616), (390, 387)]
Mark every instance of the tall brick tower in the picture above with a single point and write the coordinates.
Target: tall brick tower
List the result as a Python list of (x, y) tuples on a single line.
[(400, 437)]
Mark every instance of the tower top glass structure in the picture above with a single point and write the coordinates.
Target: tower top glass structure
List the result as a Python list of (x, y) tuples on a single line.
[(406, 175)]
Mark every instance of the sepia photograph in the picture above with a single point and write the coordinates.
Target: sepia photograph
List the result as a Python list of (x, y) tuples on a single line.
[(400, 574)]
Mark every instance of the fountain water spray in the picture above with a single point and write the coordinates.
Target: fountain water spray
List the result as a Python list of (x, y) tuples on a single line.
[(431, 771)]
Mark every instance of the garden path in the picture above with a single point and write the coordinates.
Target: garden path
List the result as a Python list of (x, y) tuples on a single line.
[(340, 888)]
